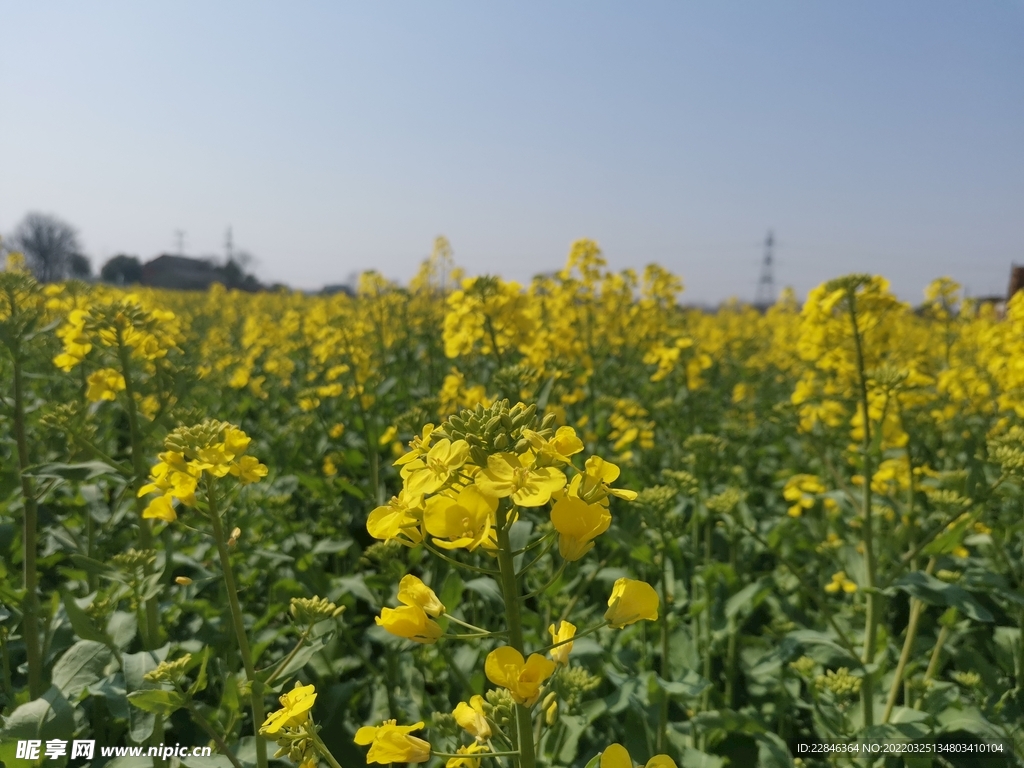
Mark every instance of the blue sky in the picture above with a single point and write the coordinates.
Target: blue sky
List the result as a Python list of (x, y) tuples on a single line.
[(871, 136)]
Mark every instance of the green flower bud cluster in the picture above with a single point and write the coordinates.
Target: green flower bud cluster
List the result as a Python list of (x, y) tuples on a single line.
[(1008, 451), (169, 671), (189, 440), (311, 610), (687, 484), (516, 382), (950, 577), (500, 707), (296, 743), (947, 498), (496, 429), (967, 679), (443, 723), (134, 558), (839, 681), (725, 503), (572, 683), (803, 666)]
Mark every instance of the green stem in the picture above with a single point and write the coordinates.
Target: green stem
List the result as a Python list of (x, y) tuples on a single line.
[(933, 662), (30, 604), (478, 754), (256, 695), (916, 608), (287, 660), (871, 618), (203, 723), (324, 751), (151, 635), (666, 672), (510, 591), (467, 625)]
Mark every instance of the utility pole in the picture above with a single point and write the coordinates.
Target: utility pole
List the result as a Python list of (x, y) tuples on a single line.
[(765, 296), (229, 247)]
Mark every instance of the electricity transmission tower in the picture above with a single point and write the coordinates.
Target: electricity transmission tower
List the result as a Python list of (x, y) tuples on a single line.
[(765, 296), (229, 246)]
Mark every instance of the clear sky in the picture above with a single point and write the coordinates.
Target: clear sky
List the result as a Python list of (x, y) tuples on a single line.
[(333, 137)]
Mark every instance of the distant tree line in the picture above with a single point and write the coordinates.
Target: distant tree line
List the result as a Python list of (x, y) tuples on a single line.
[(53, 253)]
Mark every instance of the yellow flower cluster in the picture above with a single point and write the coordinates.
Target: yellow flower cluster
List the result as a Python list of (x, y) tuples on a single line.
[(213, 448), (451, 495)]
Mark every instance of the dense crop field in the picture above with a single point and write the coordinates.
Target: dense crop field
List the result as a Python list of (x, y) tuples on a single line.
[(560, 523)]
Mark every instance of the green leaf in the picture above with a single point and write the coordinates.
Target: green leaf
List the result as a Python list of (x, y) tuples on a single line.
[(48, 717), (594, 762), (200, 682), (158, 701), (690, 685), (451, 591), (487, 588), (749, 597), (694, 758), (80, 666), (82, 624), (933, 591), (80, 472), (135, 666), (824, 649)]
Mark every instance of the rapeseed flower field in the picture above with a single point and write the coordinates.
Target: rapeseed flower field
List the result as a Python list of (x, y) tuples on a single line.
[(476, 523)]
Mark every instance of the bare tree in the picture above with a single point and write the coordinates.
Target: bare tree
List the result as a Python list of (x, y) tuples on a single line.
[(50, 246)]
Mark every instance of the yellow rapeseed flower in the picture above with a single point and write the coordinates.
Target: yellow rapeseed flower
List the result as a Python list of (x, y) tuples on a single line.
[(616, 756), (104, 384), (631, 601), (565, 631), (506, 667), (840, 582), (410, 622), (399, 519), (295, 706), (472, 718), (412, 591), (468, 761), (431, 472), (591, 485), (511, 475), (578, 524), (799, 489), (464, 522), (391, 743)]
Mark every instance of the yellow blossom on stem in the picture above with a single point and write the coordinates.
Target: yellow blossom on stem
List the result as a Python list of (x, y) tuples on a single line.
[(412, 591), (506, 667), (467, 762), (398, 519), (410, 622), (465, 522), (631, 601), (511, 475), (430, 473), (840, 582), (565, 631), (616, 756), (799, 490), (472, 718), (578, 524), (391, 743), (591, 485), (295, 706), (104, 384)]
